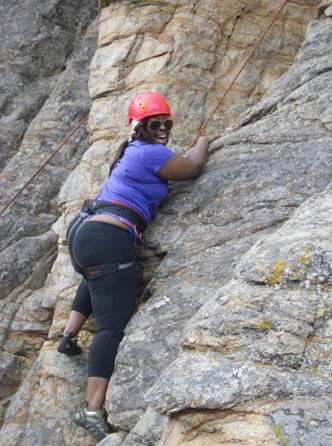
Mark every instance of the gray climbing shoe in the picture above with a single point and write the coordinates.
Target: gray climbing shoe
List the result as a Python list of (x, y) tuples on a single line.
[(96, 424)]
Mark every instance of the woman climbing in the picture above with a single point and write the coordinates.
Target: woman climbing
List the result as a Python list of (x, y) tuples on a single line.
[(102, 242)]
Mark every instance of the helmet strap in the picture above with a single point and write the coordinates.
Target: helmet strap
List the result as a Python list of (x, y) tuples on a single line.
[(135, 123)]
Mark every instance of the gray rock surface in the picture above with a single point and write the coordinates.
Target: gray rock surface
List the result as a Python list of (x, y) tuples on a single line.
[(45, 51), (37, 39), (218, 383), (256, 177), (266, 336), (299, 252), (35, 210)]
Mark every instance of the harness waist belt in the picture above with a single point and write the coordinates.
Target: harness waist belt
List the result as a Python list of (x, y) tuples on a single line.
[(92, 207)]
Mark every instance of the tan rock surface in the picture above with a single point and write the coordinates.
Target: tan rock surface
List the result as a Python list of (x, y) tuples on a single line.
[(190, 51)]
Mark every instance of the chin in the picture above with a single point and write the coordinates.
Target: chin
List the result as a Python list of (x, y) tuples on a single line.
[(163, 141)]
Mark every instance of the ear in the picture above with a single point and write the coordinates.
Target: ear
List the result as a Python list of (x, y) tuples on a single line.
[(138, 132)]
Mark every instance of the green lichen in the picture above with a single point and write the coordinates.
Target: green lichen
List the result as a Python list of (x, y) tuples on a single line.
[(277, 273), (305, 259), (281, 438), (314, 369), (103, 3), (264, 325)]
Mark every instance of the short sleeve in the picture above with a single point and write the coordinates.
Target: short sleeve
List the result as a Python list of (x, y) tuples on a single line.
[(156, 155)]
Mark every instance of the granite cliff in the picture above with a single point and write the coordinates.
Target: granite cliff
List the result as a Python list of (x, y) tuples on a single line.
[(231, 343)]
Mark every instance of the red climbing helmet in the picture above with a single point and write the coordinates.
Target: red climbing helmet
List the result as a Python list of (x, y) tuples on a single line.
[(143, 105)]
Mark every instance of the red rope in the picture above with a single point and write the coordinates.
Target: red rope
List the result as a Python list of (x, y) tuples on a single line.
[(62, 143), (221, 100)]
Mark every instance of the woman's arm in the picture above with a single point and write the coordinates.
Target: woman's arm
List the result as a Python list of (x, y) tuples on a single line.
[(181, 168)]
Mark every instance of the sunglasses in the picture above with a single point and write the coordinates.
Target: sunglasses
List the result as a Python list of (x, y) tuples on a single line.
[(155, 124)]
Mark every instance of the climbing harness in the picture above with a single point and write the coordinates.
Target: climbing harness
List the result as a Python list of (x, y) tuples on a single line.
[(90, 208), (122, 211), (93, 272), (193, 142)]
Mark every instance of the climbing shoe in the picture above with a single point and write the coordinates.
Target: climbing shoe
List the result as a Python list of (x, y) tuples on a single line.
[(96, 423), (68, 345)]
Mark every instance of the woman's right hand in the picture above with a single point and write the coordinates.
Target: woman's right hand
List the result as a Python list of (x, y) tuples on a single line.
[(199, 153)]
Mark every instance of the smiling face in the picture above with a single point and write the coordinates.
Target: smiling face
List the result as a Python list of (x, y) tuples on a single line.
[(156, 129)]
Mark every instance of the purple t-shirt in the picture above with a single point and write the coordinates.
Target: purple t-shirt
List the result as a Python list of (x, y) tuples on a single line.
[(134, 180)]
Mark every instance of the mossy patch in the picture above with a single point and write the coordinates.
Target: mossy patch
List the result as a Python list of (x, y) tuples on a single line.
[(305, 259), (264, 325), (281, 438), (314, 369), (277, 273), (103, 3)]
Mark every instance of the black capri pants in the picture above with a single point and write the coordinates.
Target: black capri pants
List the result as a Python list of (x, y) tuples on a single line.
[(111, 296)]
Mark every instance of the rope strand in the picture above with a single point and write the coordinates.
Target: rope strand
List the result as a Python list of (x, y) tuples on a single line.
[(62, 143), (221, 100)]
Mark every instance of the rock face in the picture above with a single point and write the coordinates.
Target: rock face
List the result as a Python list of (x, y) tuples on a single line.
[(36, 41), (259, 353), (45, 51), (261, 345), (41, 78), (233, 336)]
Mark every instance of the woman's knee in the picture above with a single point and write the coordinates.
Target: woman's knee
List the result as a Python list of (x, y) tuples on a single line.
[(82, 300), (103, 352)]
